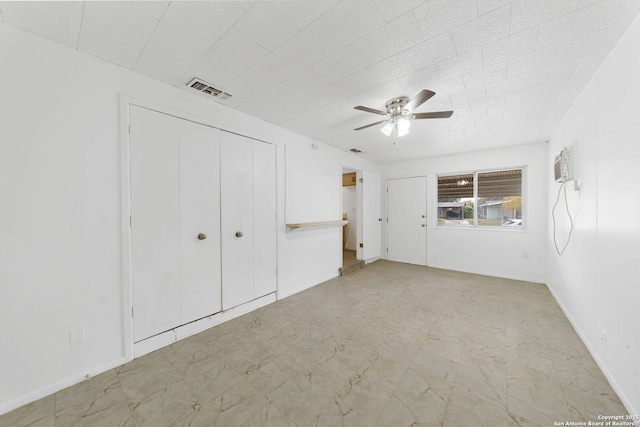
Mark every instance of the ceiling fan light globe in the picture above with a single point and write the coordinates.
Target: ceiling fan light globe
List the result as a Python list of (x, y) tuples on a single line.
[(387, 129), (403, 132), (403, 125)]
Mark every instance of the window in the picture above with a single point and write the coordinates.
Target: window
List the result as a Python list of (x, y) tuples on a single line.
[(481, 199)]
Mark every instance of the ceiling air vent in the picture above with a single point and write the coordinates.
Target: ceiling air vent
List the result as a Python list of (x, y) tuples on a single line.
[(206, 88)]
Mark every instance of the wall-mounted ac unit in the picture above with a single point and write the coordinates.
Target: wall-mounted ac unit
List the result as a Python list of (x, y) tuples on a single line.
[(562, 166)]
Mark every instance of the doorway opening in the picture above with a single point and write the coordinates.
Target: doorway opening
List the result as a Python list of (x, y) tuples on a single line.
[(350, 212)]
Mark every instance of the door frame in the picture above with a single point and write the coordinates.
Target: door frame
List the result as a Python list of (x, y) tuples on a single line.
[(130, 349), (359, 213)]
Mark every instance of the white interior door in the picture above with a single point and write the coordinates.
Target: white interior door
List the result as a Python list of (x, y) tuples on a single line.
[(264, 218), (237, 219), (155, 222), (199, 221), (407, 222), (371, 216)]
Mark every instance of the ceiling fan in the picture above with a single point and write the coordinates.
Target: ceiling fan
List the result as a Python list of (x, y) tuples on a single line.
[(399, 114)]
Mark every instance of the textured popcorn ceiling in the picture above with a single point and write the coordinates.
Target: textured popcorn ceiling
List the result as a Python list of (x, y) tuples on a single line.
[(508, 69)]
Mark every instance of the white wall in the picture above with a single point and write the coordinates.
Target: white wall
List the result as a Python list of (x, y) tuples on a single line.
[(349, 202), (494, 252), (313, 180), (60, 210), (596, 280)]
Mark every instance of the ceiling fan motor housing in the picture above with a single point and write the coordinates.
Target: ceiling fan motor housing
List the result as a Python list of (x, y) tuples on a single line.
[(396, 106)]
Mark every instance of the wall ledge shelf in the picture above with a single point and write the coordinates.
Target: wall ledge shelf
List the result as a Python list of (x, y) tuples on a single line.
[(316, 225)]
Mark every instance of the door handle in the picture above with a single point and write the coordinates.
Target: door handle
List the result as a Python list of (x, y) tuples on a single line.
[(239, 234), (379, 219), (424, 216), (202, 236), (424, 225)]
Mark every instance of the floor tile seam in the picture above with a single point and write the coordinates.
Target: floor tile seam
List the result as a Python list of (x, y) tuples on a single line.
[(133, 406), (475, 353), (511, 351), (393, 394), (532, 423), (126, 401), (282, 410), (512, 371), (86, 415), (515, 380), (179, 376), (251, 414), (431, 376), (196, 394), (340, 397), (178, 422), (446, 409), (483, 396), (501, 408), (513, 411), (555, 371), (243, 375)]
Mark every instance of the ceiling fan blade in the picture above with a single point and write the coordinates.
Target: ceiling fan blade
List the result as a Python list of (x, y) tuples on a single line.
[(370, 110), (434, 115), (420, 98), (368, 126)]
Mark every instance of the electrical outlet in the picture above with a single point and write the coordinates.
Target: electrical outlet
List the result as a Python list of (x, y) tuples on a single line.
[(76, 335)]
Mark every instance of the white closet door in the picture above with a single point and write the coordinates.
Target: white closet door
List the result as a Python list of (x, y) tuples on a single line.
[(237, 219), (264, 218), (406, 211), (200, 213), (155, 211)]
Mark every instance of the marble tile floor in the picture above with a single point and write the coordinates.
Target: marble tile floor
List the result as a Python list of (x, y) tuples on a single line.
[(389, 345)]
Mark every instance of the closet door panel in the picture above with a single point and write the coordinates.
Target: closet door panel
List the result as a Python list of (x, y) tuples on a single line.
[(264, 218), (199, 221), (155, 222), (237, 219)]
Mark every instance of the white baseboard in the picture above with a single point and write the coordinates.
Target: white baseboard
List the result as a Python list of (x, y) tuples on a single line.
[(282, 294), (60, 385)]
